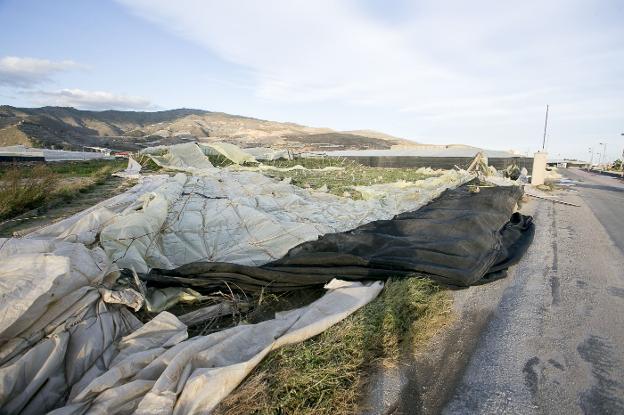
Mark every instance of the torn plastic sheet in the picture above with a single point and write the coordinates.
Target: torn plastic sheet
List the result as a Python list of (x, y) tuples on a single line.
[(268, 154), (57, 327), (461, 238), (233, 153), (229, 216), (85, 226), (61, 342), (244, 218), (133, 171), (187, 157), (156, 370)]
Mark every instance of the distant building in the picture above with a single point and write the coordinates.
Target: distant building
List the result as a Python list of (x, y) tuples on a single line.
[(20, 153)]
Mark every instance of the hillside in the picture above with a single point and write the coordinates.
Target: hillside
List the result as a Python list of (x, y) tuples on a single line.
[(69, 128)]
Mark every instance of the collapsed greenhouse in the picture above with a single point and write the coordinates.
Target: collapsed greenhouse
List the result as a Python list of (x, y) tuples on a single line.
[(74, 341)]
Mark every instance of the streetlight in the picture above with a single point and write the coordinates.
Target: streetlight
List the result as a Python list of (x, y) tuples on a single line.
[(591, 160), (604, 152), (622, 160)]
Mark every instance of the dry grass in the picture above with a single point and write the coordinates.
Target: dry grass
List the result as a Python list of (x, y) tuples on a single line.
[(324, 375), (26, 187)]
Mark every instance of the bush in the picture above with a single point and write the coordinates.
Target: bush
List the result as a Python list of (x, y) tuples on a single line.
[(24, 189)]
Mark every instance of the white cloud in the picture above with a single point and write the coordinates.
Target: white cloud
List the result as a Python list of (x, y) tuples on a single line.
[(28, 72), (437, 54), (92, 100), (476, 71)]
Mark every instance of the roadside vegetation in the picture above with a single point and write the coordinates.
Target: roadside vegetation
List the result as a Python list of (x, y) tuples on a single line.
[(326, 374), (24, 187)]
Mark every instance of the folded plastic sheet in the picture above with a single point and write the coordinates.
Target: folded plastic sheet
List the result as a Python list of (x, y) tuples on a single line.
[(459, 238), (85, 226)]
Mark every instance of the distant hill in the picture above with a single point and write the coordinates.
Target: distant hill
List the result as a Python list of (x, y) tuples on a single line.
[(69, 128)]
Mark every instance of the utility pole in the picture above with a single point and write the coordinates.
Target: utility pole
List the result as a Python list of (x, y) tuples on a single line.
[(545, 127)]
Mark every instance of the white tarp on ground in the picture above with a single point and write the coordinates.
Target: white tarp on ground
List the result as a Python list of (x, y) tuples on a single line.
[(245, 218), (233, 216), (57, 325), (84, 226), (61, 342), (157, 371), (61, 324)]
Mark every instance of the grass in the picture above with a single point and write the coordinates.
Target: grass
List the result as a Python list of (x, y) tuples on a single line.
[(26, 187), (340, 182), (325, 374)]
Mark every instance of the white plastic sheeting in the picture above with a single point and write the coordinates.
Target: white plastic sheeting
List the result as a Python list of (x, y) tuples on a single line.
[(229, 151), (187, 157), (231, 216), (157, 371), (61, 342), (133, 171), (244, 218), (85, 226), (56, 328), (60, 334), (268, 154)]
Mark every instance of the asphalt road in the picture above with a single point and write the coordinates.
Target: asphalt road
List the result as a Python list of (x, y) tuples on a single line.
[(554, 343)]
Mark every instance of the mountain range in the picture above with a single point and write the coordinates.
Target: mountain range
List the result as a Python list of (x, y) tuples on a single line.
[(70, 128)]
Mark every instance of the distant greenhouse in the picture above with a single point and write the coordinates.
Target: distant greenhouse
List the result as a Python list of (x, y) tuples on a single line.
[(434, 156)]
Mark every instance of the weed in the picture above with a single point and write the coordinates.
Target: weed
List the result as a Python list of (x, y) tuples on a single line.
[(21, 190), (24, 187), (324, 375)]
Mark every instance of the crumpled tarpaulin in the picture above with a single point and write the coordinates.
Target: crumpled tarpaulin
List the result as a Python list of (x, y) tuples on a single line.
[(157, 370), (59, 321), (229, 216), (458, 239), (230, 151), (68, 341)]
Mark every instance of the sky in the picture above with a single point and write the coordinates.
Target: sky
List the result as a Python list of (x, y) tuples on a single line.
[(435, 71)]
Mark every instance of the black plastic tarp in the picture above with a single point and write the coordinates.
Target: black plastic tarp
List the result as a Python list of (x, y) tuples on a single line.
[(462, 238)]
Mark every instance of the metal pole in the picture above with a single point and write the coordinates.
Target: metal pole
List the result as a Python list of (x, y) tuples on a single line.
[(622, 160), (545, 127)]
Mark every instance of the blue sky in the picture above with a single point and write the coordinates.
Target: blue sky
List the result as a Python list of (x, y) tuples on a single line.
[(478, 72)]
